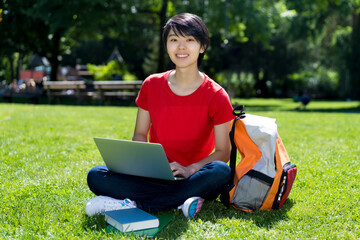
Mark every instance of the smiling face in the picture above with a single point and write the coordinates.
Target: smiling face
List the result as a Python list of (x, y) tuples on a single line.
[(183, 50), (186, 25)]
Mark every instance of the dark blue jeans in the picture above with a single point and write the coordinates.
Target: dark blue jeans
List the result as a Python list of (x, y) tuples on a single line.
[(158, 195)]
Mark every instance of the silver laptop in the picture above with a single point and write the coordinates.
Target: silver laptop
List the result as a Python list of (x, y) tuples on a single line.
[(135, 158)]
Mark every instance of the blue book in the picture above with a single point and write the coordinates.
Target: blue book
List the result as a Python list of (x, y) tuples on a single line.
[(151, 232), (131, 219)]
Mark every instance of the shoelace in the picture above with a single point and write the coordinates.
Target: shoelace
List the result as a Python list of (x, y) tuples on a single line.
[(114, 204)]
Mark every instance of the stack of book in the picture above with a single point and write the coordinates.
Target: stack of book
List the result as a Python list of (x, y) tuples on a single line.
[(131, 219)]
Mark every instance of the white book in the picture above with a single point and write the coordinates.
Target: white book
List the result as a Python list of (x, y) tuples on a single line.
[(131, 219)]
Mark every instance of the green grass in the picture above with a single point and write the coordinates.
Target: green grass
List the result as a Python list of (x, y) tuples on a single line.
[(46, 152)]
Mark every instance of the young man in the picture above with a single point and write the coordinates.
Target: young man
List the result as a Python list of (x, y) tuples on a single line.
[(189, 115)]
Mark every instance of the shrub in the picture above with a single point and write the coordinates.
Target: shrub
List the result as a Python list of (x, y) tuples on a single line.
[(113, 70), (237, 84), (321, 83)]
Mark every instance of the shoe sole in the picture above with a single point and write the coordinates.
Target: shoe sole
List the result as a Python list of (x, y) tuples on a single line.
[(195, 207)]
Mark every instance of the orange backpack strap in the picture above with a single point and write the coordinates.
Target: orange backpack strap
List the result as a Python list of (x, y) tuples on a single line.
[(249, 151), (241, 141), (239, 113), (233, 154)]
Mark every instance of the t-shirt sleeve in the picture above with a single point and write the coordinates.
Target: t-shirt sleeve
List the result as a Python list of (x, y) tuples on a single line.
[(142, 100), (220, 108)]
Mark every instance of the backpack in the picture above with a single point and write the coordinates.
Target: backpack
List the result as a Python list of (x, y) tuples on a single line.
[(263, 178)]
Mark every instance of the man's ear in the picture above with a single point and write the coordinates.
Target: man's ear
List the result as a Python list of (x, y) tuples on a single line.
[(202, 50)]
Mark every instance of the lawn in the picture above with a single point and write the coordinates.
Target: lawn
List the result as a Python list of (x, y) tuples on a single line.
[(46, 152)]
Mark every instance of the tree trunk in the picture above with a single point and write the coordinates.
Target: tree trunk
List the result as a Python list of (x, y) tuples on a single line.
[(260, 83), (355, 59), (11, 62), (161, 57), (19, 66), (54, 60)]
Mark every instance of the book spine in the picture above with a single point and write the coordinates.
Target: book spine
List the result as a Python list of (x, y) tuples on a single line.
[(141, 225), (114, 223)]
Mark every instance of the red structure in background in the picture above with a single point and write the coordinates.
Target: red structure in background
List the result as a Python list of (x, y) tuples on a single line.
[(26, 75)]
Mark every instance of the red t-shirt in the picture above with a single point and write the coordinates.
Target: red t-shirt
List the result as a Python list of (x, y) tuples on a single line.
[(184, 125)]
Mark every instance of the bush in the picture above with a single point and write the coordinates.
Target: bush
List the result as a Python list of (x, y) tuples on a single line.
[(321, 83), (114, 70), (237, 84)]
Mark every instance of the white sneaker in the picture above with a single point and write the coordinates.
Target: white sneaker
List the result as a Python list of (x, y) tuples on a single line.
[(100, 204), (191, 206)]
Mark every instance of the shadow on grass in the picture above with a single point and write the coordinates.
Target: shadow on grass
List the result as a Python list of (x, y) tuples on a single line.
[(332, 110), (212, 211), (249, 108), (73, 102), (96, 223), (267, 219), (263, 219), (176, 227), (262, 108)]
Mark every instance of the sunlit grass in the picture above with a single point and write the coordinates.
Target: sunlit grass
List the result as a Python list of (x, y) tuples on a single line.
[(46, 152)]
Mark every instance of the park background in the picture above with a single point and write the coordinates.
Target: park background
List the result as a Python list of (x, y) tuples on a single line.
[(275, 48), (263, 52)]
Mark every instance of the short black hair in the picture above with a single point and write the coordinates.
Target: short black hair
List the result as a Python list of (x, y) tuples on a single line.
[(187, 24)]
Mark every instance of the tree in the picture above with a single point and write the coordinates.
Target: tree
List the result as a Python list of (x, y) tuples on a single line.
[(334, 30), (65, 21), (16, 35), (354, 63), (247, 37), (48, 27), (137, 24)]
